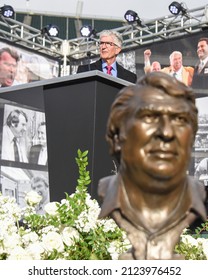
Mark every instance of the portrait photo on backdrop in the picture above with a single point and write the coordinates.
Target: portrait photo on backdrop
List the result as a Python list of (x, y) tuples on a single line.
[(17, 182), (23, 135), (20, 66)]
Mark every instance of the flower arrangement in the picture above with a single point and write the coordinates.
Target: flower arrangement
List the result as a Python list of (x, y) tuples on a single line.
[(70, 229)]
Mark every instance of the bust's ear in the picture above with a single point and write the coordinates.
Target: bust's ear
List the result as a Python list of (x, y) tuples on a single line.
[(116, 142)]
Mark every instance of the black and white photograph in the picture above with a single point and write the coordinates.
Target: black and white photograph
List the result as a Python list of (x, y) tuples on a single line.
[(24, 135), (201, 141), (17, 182)]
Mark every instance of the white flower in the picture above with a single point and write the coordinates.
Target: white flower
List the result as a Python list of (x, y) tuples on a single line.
[(204, 244), (188, 239), (33, 198), (69, 234), (47, 229), (12, 241), (18, 253), (115, 249), (51, 208), (108, 225), (53, 241), (87, 221), (35, 250), (29, 237)]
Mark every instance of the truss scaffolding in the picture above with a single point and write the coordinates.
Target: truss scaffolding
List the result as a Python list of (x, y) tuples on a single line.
[(134, 35)]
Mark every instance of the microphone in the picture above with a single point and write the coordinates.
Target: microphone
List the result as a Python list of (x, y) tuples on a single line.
[(89, 55)]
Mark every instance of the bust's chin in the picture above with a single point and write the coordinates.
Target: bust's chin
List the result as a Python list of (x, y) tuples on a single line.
[(163, 170)]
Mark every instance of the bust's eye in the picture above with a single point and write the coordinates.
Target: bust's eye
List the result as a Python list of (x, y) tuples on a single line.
[(180, 119), (149, 118)]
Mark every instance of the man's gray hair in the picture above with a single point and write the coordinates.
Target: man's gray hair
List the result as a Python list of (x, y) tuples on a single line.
[(117, 37), (175, 53)]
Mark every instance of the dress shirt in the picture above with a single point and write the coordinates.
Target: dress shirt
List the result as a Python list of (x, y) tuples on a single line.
[(204, 61), (43, 156), (202, 64), (113, 71), (178, 74), (8, 146)]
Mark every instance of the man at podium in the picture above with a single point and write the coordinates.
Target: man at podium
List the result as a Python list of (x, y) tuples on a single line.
[(110, 46)]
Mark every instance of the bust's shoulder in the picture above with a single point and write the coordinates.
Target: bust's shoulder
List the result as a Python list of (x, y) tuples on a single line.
[(104, 185)]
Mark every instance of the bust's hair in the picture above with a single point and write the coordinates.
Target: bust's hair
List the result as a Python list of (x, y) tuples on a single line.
[(124, 104)]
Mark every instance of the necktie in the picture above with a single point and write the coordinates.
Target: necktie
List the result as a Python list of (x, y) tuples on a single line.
[(109, 68), (174, 74), (16, 151), (201, 65)]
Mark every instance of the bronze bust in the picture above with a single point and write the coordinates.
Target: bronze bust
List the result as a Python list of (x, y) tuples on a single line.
[(150, 131)]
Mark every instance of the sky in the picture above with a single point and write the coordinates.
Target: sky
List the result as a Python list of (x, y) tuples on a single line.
[(108, 9)]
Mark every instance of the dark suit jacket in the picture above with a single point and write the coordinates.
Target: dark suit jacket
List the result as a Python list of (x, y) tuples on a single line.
[(200, 79), (34, 154), (204, 70), (122, 73)]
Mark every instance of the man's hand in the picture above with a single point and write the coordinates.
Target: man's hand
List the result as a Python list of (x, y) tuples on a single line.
[(147, 53)]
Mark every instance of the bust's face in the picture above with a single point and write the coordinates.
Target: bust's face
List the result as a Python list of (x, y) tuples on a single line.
[(159, 137)]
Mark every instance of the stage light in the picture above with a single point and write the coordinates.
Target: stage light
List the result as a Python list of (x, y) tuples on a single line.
[(132, 17), (175, 8), (87, 31), (7, 11), (51, 30)]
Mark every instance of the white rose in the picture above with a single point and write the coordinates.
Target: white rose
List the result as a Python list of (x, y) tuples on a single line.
[(18, 253), (188, 239), (35, 250), (11, 241), (204, 243), (69, 234), (51, 208), (53, 240), (30, 237), (33, 198)]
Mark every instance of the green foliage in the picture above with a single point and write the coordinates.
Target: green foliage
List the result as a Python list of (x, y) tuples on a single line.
[(200, 230), (190, 252), (98, 239)]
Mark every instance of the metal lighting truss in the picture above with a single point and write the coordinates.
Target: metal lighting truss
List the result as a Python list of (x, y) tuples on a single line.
[(24, 35), (134, 35)]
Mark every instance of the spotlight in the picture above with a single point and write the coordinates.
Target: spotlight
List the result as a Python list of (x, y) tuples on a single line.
[(7, 11), (51, 30), (87, 31), (131, 17), (175, 8)]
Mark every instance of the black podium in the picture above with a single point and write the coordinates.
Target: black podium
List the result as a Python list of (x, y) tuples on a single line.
[(76, 109)]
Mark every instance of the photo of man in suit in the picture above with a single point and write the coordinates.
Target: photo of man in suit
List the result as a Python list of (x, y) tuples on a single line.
[(40, 185), (14, 137), (110, 45), (201, 67), (38, 152)]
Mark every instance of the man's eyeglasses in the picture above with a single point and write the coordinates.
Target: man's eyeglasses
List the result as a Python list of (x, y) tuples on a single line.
[(108, 44)]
